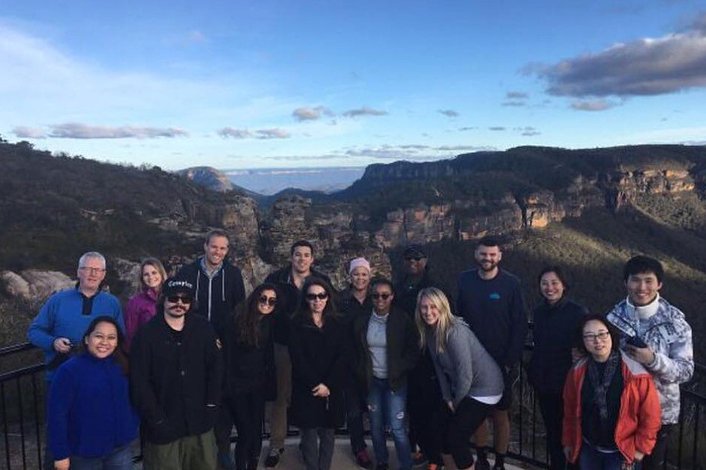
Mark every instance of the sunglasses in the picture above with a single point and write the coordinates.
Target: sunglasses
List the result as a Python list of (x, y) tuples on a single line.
[(271, 301), (176, 298), (320, 296), (413, 258), (384, 296)]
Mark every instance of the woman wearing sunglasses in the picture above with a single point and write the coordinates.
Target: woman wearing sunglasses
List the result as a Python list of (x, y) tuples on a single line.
[(250, 370), (386, 349), (611, 406), (318, 348)]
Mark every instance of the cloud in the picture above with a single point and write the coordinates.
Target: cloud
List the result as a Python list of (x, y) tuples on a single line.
[(311, 114), (496, 128), (514, 103), (24, 132), (449, 113), (592, 105), (516, 95), (647, 66), (527, 131), (262, 134), (467, 128), (72, 130), (364, 111), (195, 36)]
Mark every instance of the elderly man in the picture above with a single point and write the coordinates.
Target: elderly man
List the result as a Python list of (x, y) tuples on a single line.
[(64, 318)]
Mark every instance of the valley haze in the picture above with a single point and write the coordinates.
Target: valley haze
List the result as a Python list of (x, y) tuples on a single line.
[(269, 181)]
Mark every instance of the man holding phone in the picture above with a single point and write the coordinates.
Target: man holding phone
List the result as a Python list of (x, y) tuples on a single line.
[(656, 334)]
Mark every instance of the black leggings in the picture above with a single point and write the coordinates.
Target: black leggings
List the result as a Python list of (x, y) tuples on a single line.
[(248, 412), (459, 426)]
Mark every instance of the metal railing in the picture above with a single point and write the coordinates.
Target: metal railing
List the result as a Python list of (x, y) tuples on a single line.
[(22, 392)]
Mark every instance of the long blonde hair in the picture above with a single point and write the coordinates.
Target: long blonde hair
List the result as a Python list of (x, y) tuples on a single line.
[(446, 318)]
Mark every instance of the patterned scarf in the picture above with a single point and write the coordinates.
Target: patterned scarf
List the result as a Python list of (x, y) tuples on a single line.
[(601, 384)]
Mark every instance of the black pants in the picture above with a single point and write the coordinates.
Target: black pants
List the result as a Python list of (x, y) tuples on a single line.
[(551, 405), (459, 426), (248, 410), (354, 415), (655, 460), (424, 409)]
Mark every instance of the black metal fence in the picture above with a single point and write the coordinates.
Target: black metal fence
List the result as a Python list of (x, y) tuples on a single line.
[(22, 401)]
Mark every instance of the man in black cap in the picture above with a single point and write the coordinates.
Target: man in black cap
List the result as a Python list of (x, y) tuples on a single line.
[(175, 379), (423, 390)]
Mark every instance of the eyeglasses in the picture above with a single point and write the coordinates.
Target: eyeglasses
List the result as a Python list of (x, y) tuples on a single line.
[(92, 270), (271, 301), (176, 298), (384, 296), (602, 336), (320, 296), (413, 258)]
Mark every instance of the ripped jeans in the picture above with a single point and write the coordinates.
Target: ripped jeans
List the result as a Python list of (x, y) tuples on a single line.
[(388, 407)]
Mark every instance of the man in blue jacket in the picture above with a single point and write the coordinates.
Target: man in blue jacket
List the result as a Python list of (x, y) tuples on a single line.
[(490, 300)]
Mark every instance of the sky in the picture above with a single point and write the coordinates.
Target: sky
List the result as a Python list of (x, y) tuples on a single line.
[(239, 84)]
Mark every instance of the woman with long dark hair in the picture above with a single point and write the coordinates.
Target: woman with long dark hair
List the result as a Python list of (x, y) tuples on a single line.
[(91, 422), (318, 347), (250, 370), (143, 306), (611, 407), (556, 320), (470, 380)]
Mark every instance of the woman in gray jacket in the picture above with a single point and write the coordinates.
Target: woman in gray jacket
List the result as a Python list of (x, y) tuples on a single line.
[(470, 380)]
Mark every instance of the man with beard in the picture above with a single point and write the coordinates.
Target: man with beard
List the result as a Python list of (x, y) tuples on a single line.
[(219, 289), (175, 377), (289, 280), (490, 300)]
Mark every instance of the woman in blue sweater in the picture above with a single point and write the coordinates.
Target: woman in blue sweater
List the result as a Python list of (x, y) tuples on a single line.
[(91, 422)]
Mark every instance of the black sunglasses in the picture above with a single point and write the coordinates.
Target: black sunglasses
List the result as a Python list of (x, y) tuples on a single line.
[(384, 296), (320, 296), (413, 258), (176, 298), (271, 301)]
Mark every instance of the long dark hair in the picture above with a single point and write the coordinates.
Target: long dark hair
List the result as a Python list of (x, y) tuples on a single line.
[(303, 311), (247, 319), (119, 353)]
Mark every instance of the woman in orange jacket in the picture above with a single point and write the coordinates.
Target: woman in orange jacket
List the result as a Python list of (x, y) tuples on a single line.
[(611, 406)]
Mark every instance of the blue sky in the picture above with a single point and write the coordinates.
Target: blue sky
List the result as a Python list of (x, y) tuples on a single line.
[(296, 83)]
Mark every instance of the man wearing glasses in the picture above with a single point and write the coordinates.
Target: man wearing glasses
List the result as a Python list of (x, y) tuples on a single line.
[(175, 380), (64, 318)]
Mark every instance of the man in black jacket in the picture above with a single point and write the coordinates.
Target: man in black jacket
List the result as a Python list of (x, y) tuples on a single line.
[(219, 289), (175, 380)]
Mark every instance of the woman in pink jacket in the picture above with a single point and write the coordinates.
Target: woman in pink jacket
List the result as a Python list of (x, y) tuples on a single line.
[(611, 406), (142, 306)]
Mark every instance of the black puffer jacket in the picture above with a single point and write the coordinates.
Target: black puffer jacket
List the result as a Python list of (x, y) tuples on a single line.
[(555, 328), (174, 376)]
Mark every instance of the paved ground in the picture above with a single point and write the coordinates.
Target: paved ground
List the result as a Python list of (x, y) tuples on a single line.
[(342, 457)]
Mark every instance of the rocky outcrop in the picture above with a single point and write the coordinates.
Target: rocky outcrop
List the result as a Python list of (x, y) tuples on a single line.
[(33, 284), (208, 177)]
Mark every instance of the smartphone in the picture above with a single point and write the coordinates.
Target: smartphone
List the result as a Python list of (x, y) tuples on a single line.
[(636, 341)]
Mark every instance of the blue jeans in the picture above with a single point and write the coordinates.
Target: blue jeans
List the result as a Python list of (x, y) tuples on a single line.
[(592, 459), (387, 407), (119, 459)]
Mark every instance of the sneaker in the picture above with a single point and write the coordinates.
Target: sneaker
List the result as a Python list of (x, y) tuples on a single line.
[(482, 463), (419, 459), (363, 459), (381, 466), (225, 461), (273, 457)]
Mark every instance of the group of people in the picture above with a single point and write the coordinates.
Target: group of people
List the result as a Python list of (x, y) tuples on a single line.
[(192, 356)]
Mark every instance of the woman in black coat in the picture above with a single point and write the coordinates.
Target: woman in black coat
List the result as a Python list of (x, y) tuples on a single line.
[(318, 348), (250, 370), (556, 321)]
